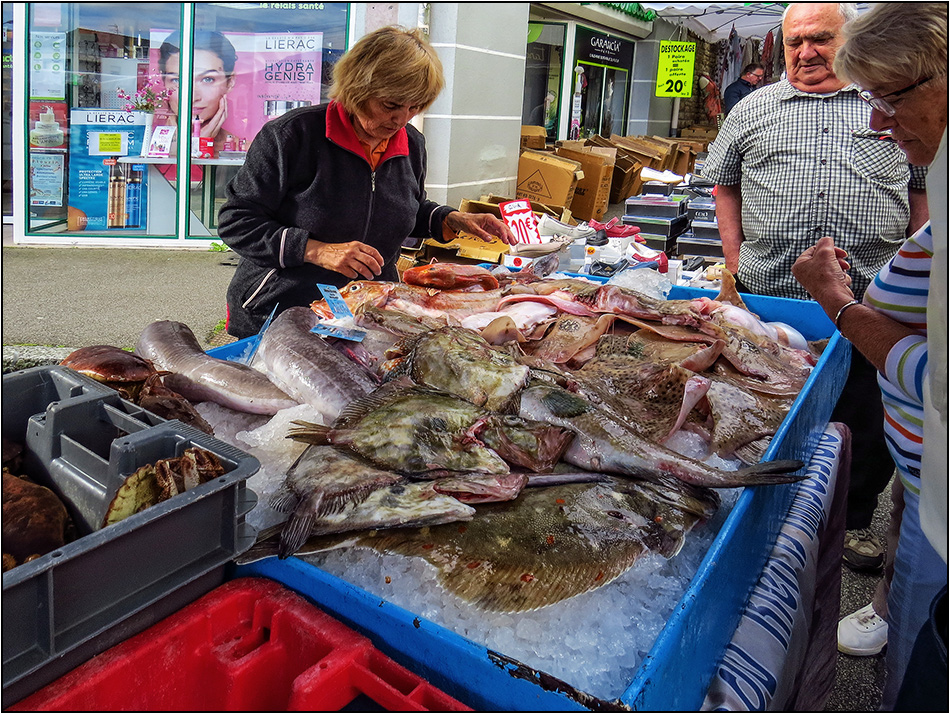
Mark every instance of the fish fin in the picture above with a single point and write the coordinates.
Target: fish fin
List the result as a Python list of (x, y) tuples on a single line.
[(284, 500), (753, 452), (565, 405), (310, 433), (357, 409), (295, 533)]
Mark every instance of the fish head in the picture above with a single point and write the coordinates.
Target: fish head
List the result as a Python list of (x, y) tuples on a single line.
[(534, 445)]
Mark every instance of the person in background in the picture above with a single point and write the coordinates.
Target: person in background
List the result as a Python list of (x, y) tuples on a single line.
[(328, 194), (213, 78), (750, 78), (796, 161), (898, 53)]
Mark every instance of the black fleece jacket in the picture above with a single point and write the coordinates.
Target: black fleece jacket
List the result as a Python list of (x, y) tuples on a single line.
[(306, 176)]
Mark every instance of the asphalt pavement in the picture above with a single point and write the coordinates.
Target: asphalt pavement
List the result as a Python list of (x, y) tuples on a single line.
[(69, 297)]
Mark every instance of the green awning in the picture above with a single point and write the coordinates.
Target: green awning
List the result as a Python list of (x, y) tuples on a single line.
[(633, 9)]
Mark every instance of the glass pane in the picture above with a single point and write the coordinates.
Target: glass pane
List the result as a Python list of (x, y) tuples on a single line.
[(542, 82), (89, 114), (252, 63), (7, 90)]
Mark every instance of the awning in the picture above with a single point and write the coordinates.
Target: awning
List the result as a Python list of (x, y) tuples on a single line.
[(714, 21)]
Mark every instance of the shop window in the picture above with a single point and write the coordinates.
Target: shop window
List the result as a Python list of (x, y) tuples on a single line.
[(601, 84), (107, 107), (543, 73)]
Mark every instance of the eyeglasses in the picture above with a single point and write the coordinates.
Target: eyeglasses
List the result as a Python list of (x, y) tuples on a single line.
[(882, 105)]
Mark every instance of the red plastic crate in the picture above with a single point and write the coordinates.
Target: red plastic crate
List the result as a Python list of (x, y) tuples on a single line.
[(250, 644)]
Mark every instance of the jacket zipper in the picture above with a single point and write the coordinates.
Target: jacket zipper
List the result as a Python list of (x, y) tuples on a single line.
[(372, 200)]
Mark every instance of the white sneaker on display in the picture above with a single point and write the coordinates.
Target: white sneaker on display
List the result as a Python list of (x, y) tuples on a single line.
[(862, 633), (548, 226)]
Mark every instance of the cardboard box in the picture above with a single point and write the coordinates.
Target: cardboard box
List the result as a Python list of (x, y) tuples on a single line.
[(465, 250), (547, 178), (645, 153), (490, 203), (626, 179), (592, 193), (533, 137)]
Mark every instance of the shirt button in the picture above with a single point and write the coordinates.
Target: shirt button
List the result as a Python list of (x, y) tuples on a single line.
[(821, 195), (825, 130), (824, 161)]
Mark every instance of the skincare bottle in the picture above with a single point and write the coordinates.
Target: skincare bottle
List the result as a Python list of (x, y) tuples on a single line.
[(229, 143), (133, 198), (116, 197), (47, 132)]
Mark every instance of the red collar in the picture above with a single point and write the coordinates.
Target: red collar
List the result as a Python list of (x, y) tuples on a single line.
[(341, 132)]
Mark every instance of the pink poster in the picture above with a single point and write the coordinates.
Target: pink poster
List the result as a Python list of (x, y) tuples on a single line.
[(241, 81)]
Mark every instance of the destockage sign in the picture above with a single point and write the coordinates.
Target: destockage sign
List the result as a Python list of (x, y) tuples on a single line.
[(603, 50)]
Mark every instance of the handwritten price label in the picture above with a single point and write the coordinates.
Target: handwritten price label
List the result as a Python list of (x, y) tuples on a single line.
[(522, 222)]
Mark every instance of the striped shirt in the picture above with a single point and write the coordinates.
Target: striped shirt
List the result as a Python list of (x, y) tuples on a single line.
[(900, 291), (809, 166)]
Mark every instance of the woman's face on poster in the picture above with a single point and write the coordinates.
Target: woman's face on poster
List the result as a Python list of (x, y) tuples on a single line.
[(211, 83)]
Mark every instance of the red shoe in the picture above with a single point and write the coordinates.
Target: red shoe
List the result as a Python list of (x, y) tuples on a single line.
[(615, 229)]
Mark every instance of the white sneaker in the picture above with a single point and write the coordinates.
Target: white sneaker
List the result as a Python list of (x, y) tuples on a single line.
[(862, 633), (548, 226)]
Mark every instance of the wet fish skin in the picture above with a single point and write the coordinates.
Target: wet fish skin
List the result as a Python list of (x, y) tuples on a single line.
[(536, 446), (477, 488), (604, 443), (172, 347), (306, 367)]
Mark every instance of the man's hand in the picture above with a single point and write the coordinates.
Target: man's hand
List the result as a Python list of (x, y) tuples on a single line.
[(355, 259), (482, 225)]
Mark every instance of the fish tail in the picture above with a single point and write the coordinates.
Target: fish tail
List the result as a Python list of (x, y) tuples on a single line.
[(771, 472), (295, 534), (284, 500), (310, 433)]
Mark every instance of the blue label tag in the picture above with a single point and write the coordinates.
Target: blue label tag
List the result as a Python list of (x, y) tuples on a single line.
[(344, 333), (335, 301)]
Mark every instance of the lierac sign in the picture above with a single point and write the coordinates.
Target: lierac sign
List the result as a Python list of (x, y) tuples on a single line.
[(595, 48)]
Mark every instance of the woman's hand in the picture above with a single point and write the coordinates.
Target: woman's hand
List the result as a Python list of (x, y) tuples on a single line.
[(821, 271), (355, 259), (211, 128), (482, 225)]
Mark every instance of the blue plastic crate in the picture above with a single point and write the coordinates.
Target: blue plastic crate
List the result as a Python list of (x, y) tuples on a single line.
[(675, 674)]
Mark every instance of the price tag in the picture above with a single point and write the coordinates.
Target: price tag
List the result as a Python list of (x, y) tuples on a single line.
[(522, 222), (344, 333), (335, 301), (674, 74)]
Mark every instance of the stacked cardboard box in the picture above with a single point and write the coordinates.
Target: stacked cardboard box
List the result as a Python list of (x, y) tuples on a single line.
[(592, 193), (703, 237), (660, 218)]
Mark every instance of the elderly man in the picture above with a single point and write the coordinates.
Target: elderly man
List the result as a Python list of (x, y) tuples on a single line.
[(796, 161), (751, 75)]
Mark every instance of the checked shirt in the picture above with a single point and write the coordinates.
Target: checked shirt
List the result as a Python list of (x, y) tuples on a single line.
[(810, 166)]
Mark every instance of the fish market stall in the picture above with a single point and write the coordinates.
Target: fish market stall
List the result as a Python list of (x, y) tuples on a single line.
[(644, 540)]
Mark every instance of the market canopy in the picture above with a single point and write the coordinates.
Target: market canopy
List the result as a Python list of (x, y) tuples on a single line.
[(714, 21)]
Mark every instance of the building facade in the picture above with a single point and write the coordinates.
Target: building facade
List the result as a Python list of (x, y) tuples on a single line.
[(101, 131)]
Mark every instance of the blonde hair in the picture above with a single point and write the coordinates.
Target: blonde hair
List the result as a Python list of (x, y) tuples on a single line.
[(894, 42), (393, 64)]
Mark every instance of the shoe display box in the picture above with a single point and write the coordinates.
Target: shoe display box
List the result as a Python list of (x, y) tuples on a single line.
[(676, 672)]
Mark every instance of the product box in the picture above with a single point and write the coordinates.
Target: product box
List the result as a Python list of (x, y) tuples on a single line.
[(667, 227), (654, 205), (699, 210), (533, 137), (82, 441), (592, 194), (248, 645), (689, 244), (547, 178), (706, 229)]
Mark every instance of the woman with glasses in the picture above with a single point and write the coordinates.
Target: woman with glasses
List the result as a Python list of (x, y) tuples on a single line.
[(897, 52)]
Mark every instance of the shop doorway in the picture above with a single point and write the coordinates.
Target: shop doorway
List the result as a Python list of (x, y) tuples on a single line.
[(544, 69), (601, 84)]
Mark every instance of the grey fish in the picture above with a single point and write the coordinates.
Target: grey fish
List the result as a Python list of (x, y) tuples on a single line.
[(741, 417), (306, 367), (605, 443), (460, 361), (401, 504), (427, 433), (172, 347), (547, 545)]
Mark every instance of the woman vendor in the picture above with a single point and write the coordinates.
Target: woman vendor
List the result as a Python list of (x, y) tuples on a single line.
[(329, 193)]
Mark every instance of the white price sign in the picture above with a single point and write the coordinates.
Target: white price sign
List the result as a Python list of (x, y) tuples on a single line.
[(522, 222)]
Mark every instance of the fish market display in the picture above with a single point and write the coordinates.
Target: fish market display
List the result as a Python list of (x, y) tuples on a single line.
[(172, 347), (305, 367)]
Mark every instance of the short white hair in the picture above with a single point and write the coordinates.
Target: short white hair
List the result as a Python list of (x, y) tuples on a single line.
[(848, 10)]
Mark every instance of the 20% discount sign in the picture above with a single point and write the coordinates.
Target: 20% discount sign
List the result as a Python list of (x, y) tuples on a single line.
[(674, 73)]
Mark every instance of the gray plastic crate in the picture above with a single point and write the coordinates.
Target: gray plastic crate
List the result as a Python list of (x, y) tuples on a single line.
[(82, 440)]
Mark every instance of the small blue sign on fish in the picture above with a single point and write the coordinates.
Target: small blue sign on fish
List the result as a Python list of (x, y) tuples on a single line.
[(344, 333), (335, 301)]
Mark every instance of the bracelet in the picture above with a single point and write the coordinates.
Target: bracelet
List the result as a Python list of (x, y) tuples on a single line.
[(841, 312)]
